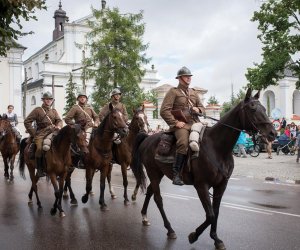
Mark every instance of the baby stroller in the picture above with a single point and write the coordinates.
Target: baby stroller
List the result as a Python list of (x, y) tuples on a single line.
[(286, 145)]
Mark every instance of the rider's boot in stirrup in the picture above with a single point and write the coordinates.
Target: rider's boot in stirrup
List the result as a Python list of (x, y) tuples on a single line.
[(180, 158), (39, 166)]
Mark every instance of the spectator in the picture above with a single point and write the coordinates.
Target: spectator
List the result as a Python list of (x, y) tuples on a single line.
[(297, 145), (287, 131), (293, 130), (13, 119), (283, 123), (241, 144)]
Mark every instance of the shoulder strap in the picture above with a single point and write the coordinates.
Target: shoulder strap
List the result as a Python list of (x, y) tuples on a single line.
[(85, 113), (47, 116), (188, 97)]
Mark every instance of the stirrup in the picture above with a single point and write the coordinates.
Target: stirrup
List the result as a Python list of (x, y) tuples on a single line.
[(40, 173), (177, 181), (195, 154)]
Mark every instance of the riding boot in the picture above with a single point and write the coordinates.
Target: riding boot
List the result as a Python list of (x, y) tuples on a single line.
[(39, 166), (180, 158), (80, 164)]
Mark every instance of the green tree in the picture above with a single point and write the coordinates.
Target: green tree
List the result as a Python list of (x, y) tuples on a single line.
[(212, 100), (234, 100), (71, 90), (11, 14), (117, 56), (279, 26)]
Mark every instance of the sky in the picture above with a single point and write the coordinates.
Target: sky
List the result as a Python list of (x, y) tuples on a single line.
[(215, 39)]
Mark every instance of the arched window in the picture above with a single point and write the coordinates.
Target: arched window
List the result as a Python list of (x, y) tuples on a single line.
[(269, 101), (33, 101), (296, 102)]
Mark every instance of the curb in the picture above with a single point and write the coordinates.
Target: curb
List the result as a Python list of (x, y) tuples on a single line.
[(297, 182)]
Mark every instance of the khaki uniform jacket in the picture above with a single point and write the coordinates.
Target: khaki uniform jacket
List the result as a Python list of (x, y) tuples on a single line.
[(176, 99), (120, 106), (76, 113), (40, 118)]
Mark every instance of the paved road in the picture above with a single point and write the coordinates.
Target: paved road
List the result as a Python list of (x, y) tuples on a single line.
[(254, 215)]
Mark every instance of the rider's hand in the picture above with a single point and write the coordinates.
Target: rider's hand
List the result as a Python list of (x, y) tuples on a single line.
[(179, 124)]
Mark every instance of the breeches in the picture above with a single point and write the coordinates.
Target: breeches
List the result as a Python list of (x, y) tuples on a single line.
[(182, 140), (38, 140)]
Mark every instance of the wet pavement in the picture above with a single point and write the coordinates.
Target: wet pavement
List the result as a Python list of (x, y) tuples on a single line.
[(254, 215)]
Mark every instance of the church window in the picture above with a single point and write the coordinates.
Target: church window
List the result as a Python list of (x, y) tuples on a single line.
[(33, 101)]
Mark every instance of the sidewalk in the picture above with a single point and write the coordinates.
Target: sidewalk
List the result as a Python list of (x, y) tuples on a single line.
[(281, 168)]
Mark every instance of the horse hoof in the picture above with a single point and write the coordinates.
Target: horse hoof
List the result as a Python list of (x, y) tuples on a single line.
[(113, 196), (126, 203), (92, 193), (133, 198), (53, 211), (65, 195), (30, 202), (192, 237), (62, 214), (220, 246), (74, 202), (104, 208), (146, 223), (84, 199), (172, 235)]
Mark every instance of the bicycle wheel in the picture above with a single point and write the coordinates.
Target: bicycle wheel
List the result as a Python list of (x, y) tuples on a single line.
[(254, 151)]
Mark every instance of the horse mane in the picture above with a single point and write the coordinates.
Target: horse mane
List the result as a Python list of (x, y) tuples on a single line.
[(60, 136), (100, 129)]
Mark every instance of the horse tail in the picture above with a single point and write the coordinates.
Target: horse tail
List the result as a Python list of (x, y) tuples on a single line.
[(22, 158), (136, 163)]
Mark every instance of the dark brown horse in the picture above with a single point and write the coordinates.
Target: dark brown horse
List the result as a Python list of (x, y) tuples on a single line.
[(57, 162), (100, 151), (9, 147), (123, 151), (213, 167)]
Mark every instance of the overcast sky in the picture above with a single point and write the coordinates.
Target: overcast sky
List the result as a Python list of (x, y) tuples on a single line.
[(215, 39)]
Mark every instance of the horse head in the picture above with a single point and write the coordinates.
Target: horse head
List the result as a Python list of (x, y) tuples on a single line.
[(116, 121), (254, 118), (78, 138), (5, 127), (139, 122)]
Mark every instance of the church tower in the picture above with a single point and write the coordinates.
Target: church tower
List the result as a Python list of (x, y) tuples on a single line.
[(60, 19)]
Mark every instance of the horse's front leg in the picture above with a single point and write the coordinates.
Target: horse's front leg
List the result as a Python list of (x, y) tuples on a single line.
[(203, 194), (125, 182), (6, 167), (68, 185), (111, 190), (103, 176), (89, 173), (56, 193), (61, 189), (12, 166), (136, 189), (217, 197)]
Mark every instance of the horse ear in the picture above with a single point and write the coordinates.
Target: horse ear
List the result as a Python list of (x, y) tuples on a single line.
[(257, 95), (248, 94), (111, 107)]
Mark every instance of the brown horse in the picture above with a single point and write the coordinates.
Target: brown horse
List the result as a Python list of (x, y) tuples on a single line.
[(123, 151), (9, 147), (57, 161), (213, 167), (100, 153)]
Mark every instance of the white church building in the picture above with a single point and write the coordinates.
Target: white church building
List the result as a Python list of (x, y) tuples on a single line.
[(50, 67), (284, 97)]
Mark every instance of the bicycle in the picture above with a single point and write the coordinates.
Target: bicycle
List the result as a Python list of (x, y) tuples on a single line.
[(251, 148)]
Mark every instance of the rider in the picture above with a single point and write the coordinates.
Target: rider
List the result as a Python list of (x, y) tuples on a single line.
[(186, 102), (115, 101), (47, 121), (13, 119), (83, 113)]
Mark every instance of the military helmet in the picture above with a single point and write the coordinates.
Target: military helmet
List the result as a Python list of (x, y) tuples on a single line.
[(47, 95), (184, 71), (115, 91), (81, 94)]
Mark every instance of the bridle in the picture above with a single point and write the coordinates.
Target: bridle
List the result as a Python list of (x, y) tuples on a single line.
[(136, 116)]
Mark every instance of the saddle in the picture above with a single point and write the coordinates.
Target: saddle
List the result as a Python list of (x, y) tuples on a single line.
[(165, 151)]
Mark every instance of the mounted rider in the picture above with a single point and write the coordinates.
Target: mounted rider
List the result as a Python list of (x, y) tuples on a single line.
[(13, 119), (178, 109), (47, 121), (83, 113), (115, 96)]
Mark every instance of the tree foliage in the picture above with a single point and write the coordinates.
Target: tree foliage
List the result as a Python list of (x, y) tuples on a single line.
[(117, 56), (11, 14), (212, 100), (71, 90), (279, 26), (235, 99)]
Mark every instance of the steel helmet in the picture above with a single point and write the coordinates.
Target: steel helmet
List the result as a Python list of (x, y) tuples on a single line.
[(47, 95), (115, 92), (184, 71), (81, 94)]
